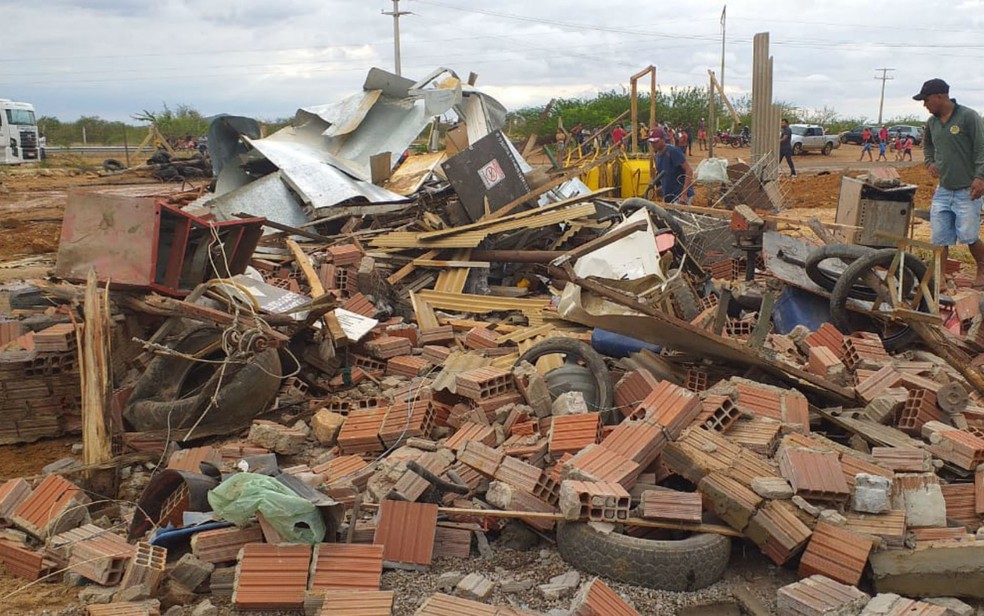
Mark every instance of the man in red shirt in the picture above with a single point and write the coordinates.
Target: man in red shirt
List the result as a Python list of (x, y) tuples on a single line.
[(618, 135)]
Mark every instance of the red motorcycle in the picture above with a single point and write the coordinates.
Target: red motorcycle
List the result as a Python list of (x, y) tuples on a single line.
[(740, 140)]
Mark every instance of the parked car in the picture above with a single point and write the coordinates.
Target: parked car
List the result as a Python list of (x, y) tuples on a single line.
[(905, 130), (854, 135), (810, 137)]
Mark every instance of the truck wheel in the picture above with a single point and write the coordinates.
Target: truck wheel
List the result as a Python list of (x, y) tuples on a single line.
[(797, 148), (827, 148), (843, 139), (682, 565)]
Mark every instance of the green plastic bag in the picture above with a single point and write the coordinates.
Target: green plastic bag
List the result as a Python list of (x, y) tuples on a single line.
[(241, 496)]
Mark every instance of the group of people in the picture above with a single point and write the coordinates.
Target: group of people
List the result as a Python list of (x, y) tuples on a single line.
[(901, 144)]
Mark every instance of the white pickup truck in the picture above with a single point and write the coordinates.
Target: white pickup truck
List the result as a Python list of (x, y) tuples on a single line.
[(812, 138)]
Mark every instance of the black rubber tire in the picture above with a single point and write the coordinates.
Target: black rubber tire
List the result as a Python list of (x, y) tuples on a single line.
[(685, 565), (685, 301), (827, 280), (174, 391), (593, 361), (840, 316), (660, 217), (111, 164), (827, 148), (797, 149)]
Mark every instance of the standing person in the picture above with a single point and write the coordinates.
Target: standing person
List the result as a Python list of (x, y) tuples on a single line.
[(683, 141), (42, 146), (702, 134), (908, 148), (899, 147), (674, 173), (954, 154), (618, 136), (883, 135), (786, 146), (882, 143), (643, 137), (865, 144), (690, 139)]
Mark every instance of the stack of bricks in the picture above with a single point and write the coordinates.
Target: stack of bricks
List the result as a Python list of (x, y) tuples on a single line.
[(406, 420), (670, 406), (386, 347), (600, 501), (346, 254), (572, 433), (633, 388), (408, 366), (718, 413), (865, 351), (827, 336), (55, 339), (40, 395), (360, 433), (435, 354), (481, 338), (484, 383), (672, 506), (440, 335)]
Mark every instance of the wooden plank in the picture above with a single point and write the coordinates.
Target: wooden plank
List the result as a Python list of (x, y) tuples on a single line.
[(408, 269), (451, 263), (303, 262)]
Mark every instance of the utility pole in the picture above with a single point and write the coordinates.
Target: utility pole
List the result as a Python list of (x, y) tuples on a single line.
[(723, 23), (884, 77), (396, 13)]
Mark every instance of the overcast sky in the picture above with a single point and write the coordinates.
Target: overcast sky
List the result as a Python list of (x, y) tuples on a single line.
[(266, 58)]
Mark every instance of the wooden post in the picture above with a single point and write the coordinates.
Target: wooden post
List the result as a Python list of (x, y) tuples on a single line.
[(97, 388), (711, 127)]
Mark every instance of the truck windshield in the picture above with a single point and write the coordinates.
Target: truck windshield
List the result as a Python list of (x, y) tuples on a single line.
[(21, 117)]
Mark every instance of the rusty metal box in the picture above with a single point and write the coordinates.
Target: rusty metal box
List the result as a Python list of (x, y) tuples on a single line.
[(138, 242), (873, 209)]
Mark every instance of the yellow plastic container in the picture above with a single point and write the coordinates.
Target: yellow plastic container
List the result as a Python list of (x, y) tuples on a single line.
[(635, 177)]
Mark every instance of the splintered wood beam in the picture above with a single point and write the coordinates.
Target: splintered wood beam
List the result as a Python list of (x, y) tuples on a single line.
[(303, 262), (97, 386)]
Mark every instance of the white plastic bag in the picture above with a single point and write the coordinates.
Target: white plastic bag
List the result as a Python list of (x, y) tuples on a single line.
[(713, 170)]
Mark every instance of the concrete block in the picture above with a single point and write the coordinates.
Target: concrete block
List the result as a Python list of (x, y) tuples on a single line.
[(326, 424), (569, 403), (871, 494), (919, 494), (954, 607), (205, 608), (772, 488), (277, 438), (190, 571), (475, 586)]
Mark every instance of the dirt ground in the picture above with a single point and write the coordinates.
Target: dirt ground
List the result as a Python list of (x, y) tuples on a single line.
[(32, 203)]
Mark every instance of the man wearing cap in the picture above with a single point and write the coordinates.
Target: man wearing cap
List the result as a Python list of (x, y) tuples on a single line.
[(954, 151), (674, 172)]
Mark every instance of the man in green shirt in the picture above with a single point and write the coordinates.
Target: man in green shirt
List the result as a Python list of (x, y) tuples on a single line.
[(954, 149)]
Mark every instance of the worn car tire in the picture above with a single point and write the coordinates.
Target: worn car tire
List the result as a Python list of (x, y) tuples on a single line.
[(684, 299), (684, 565), (111, 164), (174, 391), (658, 214), (827, 148), (593, 361), (827, 279), (797, 148), (845, 288)]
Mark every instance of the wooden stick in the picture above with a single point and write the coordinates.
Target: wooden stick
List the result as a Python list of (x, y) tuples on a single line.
[(539, 515)]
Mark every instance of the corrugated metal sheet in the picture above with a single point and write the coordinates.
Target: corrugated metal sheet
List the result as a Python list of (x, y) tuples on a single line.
[(406, 531), (341, 566), (272, 576), (836, 553), (814, 474), (358, 603)]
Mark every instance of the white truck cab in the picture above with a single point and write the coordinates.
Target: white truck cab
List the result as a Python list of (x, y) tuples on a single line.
[(18, 133), (810, 137)]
